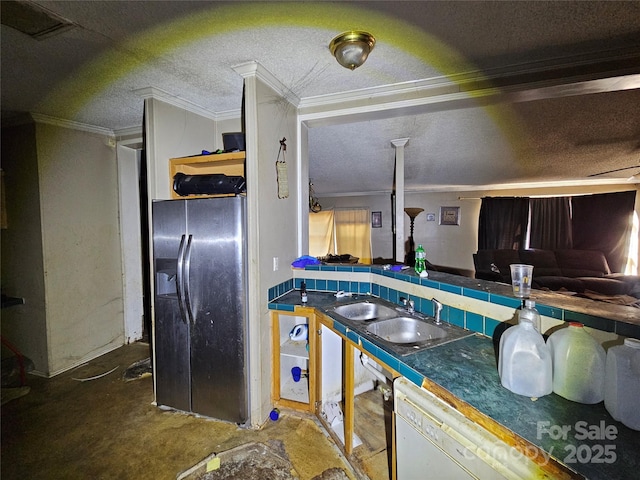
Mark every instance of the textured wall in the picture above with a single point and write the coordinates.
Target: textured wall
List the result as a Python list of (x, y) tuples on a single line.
[(81, 243)]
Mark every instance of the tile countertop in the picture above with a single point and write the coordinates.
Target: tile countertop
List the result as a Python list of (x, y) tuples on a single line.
[(565, 301), (583, 437)]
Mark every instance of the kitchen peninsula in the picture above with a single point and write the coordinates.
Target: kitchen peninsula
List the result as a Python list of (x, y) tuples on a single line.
[(463, 373)]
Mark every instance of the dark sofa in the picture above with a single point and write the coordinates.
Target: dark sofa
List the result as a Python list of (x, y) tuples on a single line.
[(573, 270)]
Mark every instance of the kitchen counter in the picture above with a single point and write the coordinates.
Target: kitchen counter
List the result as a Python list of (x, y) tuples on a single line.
[(583, 438), (567, 301), (467, 368)]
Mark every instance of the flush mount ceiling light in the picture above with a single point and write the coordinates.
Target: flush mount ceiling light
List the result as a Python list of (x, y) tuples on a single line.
[(351, 49)]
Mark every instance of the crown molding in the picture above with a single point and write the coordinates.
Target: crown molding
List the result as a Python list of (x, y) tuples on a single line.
[(518, 186), (253, 68), (59, 122), (129, 132), (355, 194), (595, 73), (229, 115), (589, 66), (492, 187), (166, 97), (132, 137), (399, 142), (417, 88)]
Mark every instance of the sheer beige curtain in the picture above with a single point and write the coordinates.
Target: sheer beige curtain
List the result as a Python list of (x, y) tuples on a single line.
[(321, 233), (340, 232), (353, 233)]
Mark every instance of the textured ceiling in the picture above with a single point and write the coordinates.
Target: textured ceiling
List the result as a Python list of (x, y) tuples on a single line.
[(93, 74)]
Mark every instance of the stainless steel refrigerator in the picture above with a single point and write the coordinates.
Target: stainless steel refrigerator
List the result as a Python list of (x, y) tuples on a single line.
[(201, 320)]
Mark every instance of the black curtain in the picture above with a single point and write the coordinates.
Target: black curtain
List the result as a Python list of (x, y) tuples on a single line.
[(503, 222), (550, 226), (603, 222)]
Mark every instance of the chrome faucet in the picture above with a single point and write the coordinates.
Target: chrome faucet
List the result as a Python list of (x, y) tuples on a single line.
[(409, 304), (437, 308)]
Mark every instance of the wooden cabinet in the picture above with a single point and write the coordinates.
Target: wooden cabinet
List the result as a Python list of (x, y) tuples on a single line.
[(232, 164), (288, 390)]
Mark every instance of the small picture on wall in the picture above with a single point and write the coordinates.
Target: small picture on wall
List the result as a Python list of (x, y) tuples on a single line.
[(449, 215), (431, 217), (376, 219)]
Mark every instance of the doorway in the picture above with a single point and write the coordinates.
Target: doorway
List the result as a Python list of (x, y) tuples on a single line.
[(134, 234)]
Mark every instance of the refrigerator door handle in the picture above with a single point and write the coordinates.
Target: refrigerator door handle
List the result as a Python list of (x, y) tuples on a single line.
[(187, 285), (180, 279)]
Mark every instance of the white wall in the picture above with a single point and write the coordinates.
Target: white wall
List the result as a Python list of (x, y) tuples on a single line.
[(272, 225), (61, 251), (81, 243), (228, 125), (173, 132)]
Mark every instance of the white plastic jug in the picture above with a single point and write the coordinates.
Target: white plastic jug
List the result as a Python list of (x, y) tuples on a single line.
[(578, 364), (622, 383), (524, 363)]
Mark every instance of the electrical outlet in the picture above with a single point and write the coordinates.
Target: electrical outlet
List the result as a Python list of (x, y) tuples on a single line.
[(276, 263)]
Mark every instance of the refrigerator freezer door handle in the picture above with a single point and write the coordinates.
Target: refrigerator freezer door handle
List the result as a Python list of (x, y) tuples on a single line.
[(187, 287), (180, 280)]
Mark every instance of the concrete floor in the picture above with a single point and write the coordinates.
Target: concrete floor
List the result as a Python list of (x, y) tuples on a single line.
[(108, 428)]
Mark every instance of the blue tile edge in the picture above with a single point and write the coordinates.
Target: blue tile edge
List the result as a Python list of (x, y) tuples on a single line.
[(460, 317)]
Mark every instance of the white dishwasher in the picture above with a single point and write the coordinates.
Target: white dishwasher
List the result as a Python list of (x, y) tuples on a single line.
[(435, 441)]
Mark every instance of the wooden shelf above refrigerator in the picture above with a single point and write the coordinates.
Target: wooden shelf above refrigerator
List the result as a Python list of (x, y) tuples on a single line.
[(232, 164)]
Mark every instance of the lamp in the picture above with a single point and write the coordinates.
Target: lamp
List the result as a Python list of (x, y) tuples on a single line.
[(413, 212), (351, 49)]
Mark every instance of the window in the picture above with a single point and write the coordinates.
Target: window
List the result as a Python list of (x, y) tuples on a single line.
[(341, 232), (601, 222)]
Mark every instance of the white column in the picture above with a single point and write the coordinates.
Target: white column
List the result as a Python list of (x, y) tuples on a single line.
[(399, 144)]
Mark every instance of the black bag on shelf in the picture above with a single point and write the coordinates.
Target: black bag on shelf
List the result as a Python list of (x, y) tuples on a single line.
[(211, 184)]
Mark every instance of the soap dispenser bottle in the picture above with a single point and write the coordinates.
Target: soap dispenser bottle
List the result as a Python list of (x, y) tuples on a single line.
[(303, 292)]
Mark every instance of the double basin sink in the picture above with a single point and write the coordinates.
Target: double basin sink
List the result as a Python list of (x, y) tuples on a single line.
[(394, 327)]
